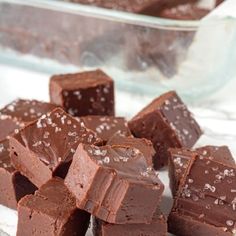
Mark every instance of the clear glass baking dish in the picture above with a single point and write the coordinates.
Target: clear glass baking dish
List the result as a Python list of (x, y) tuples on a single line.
[(143, 54)]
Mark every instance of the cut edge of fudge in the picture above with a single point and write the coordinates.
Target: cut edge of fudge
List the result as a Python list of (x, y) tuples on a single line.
[(55, 208), (98, 192), (156, 227), (13, 185)]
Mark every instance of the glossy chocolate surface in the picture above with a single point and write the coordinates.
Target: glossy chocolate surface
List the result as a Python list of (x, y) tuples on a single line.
[(181, 158), (45, 147), (143, 145), (85, 93), (167, 123), (206, 195), (13, 185), (51, 211), (19, 113), (106, 126), (114, 183), (158, 226)]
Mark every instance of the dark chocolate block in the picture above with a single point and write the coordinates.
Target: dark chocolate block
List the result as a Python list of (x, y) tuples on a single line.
[(206, 200), (143, 145), (167, 123), (19, 113), (45, 147), (82, 94), (181, 158), (114, 183), (106, 126), (158, 226), (13, 186), (51, 211)]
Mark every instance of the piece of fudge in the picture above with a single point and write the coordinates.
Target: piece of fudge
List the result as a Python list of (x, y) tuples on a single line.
[(167, 123), (85, 93), (13, 185), (19, 113), (114, 183), (51, 211), (106, 126), (45, 147), (205, 203), (179, 160), (143, 145), (158, 226)]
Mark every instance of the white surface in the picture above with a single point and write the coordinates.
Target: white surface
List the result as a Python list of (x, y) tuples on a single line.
[(217, 116)]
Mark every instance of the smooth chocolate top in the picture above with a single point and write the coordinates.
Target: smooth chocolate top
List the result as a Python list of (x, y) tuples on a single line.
[(54, 137), (143, 145), (81, 80), (5, 162), (106, 126), (26, 110), (52, 199), (208, 193), (126, 161), (176, 114)]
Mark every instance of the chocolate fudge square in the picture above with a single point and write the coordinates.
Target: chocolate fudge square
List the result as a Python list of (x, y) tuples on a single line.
[(167, 122), (114, 184), (206, 200), (19, 113), (85, 93), (180, 159), (106, 126), (45, 147), (158, 226), (143, 145), (13, 185), (51, 211)]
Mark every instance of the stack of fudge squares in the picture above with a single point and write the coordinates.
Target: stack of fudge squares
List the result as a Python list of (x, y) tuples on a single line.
[(70, 161)]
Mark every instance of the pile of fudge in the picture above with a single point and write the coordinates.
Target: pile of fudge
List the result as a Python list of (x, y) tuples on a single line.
[(170, 9), (72, 160)]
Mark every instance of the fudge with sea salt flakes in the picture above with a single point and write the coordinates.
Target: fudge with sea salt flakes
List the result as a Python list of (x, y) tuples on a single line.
[(51, 211), (180, 158), (205, 203), (106, 126), (85, 93), (114, 184), (13, 185), (19, 113), (45, 147), (143, 145), (167, 123), (158, 226)]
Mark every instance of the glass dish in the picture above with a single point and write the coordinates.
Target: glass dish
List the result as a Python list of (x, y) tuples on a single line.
[(142, 53)]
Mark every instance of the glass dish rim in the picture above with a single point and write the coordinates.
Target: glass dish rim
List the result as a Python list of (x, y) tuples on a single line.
[(114, 15)]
